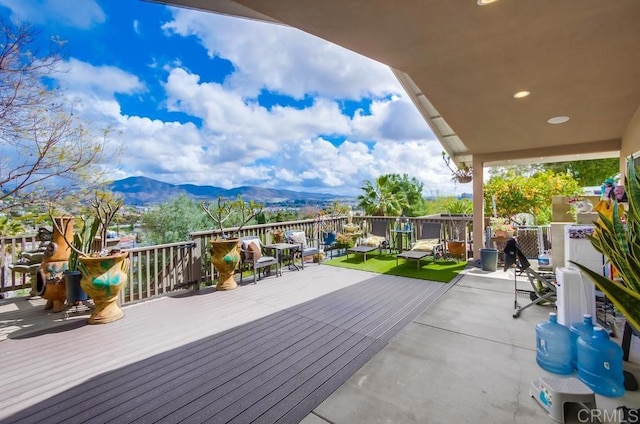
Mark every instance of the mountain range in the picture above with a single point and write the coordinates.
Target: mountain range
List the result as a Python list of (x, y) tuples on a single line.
[(146, 191)]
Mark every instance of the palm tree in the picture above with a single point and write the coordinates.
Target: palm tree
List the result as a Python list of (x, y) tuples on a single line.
[(379, 198)]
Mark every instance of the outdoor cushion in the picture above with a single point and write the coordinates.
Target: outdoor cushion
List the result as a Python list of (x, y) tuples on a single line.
[(426, 245), (372, 240), (254, 252), (247, 249), (298, 237)]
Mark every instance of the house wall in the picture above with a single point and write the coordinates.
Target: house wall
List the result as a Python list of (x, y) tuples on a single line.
[(630, 141)]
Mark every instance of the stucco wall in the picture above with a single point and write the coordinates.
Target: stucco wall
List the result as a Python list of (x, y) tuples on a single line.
[(630, 140)]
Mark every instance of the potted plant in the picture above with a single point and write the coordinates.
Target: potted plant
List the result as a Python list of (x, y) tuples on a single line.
[(277, 234), (104, 272), (326, 222), (456, 244), (462, 173), (83, 239), (501, 227), (225, 249), (54, 263), (617, 239)]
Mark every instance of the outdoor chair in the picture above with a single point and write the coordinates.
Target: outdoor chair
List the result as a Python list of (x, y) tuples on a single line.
[(430, 240), (377, 237), (253, 257), (308, 247)]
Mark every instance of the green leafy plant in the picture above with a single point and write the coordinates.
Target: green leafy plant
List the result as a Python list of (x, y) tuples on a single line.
[(83, 239), (344, 241), (619, 241), (500, 224), (460, 207)]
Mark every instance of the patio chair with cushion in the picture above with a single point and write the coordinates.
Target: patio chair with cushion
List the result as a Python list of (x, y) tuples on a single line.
[(253, 257), (429, 243), (430, 240), (377, 238), (308, 247)]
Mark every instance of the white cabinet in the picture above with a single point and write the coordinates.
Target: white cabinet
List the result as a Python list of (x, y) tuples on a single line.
[(576, 291), (579, 249)]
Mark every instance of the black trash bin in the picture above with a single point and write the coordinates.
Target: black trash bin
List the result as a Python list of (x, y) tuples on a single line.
[(489, 259)]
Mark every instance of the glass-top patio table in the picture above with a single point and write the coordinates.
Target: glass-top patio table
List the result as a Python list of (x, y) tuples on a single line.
[(285, 252)]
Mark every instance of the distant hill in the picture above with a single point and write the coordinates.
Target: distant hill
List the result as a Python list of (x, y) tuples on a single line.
[(143, 191)]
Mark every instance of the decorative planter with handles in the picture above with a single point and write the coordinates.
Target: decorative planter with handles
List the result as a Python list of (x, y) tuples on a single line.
[(54, 263), (225, 257), (457, 249), (102, 279)]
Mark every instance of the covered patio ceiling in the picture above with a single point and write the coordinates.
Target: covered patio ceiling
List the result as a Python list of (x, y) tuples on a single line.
[(462, 63)]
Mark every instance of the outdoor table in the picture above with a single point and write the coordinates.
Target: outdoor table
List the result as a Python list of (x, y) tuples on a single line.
[(400, 237), (361, 249), (282, 255), (413, 254)]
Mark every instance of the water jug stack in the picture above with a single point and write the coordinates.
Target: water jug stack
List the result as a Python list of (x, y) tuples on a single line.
[(584, 329), (600, 363), (553, 343)]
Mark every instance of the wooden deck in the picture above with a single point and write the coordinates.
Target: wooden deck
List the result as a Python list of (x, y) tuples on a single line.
[(262, 353)]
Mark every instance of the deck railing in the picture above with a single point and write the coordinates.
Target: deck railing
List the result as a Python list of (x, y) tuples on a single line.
[(10, 249), (161, 269)]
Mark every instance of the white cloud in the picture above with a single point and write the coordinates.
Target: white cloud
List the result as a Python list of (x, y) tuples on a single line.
[(243, 143), (283, 59), (77, 13), (101, 80)]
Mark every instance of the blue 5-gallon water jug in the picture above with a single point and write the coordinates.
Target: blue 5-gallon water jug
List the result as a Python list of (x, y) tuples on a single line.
[(553, 342), (600, 364), (583, 328)]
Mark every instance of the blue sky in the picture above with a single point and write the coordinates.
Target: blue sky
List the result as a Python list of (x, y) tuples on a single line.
[(201, 98)]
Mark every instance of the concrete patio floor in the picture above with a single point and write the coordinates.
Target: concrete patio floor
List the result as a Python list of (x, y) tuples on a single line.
[(464, 360)]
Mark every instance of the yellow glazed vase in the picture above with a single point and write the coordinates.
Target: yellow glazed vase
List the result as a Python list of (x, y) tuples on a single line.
[(102, 279), (225, 256)]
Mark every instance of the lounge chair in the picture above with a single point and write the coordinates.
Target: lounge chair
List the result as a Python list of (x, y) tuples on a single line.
[(429, 243), (377, 238), (254, 257)]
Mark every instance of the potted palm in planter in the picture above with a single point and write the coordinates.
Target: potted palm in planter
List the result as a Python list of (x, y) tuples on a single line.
[(104, 272), (225, 250), (456, 245), (617, 239)]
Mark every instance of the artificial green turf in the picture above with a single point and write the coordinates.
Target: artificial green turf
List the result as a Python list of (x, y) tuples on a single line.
[(443, 270)]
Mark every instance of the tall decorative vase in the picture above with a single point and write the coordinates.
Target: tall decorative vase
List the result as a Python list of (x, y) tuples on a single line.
[(225, 256), (102, 279), (55, 262)]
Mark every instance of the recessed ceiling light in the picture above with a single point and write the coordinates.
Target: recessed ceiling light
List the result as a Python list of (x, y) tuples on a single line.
[(521, 94), (485, 2), (558, 120)]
